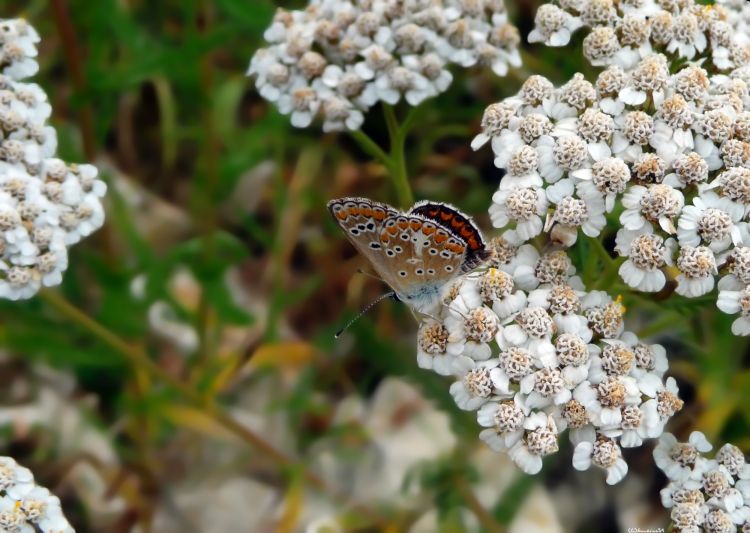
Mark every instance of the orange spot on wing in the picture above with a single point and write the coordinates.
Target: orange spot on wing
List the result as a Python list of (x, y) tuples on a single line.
[(403, 224), (354, 211), (366, 212), (384, 237), (392, 230), (415, 224), (342, 215), (441, 237), (378, 214), (428, 229)]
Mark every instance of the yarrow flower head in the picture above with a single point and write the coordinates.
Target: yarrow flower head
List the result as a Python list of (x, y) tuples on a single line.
[(535, 354), (661, 137), (709, 494), (46, 205), (622, 33), (25, 506), (337, 58)]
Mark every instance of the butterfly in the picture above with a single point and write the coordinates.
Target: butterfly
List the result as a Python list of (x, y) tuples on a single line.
[(416, 252)]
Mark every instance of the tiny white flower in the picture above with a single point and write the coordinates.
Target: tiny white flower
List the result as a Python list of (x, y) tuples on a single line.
[(553, 26), (604, 453), (711, 220), (733, 302), (524, 207), (647, 254), (541, 440), (475, 386), (679, 460)]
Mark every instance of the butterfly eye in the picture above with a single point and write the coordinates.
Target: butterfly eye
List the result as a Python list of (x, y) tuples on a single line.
[(371, 226), (448, 268), (361, 227), (390, 253), (419, 272), (354, 231), (375, 245), (402, 273), (446, 254), (404, 236), (433, 251), (431, 271), (398, 249)]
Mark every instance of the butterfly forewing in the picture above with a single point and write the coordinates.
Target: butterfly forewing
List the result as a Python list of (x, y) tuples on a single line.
[(361, 219)]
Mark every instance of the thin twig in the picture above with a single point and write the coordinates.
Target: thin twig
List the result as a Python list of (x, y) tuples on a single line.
[(473, 503), (139, 359), (205, 189)]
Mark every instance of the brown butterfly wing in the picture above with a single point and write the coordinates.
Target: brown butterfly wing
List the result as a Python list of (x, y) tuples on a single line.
[(414, 255), (460, 226)]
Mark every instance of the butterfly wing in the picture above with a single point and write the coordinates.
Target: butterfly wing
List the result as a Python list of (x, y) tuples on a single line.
[(361, 220), (419, 258), (460, 226), (412, 253)]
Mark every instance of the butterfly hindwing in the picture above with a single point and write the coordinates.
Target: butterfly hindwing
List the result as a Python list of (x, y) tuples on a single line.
[(459, 225), (420, 256)]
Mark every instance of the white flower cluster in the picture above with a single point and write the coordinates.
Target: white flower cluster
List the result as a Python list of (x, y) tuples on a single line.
[(623, 32), (711, 495), (535, 354), (26, 507), (338, 58), (670, 150), (46, 204)]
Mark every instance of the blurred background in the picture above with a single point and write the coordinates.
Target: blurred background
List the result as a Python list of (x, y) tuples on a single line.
[(204, 310)]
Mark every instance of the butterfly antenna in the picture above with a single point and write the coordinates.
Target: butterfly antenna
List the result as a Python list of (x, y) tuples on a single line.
[(363, 311)]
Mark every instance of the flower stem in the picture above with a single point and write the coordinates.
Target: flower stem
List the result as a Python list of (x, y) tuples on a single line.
[(610, 267), (398, 157), (487, 521), (395, 161), (371, 147), (136, 357), (140, 359)]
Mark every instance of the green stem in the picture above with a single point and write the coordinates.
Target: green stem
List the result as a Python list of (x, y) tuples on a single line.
[(472, 502), (371, 147), (610, 280), (602, 252), (140, 359), (398, 157)]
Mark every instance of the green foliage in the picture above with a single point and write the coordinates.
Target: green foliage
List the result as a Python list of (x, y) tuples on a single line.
[(177, 132)]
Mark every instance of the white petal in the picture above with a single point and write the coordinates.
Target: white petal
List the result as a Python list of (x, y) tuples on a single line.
[(582, 455)]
